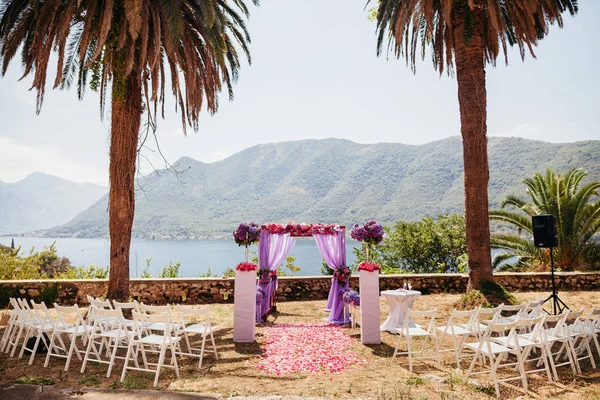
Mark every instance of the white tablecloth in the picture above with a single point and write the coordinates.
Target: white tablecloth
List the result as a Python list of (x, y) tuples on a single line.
[(399, 301)]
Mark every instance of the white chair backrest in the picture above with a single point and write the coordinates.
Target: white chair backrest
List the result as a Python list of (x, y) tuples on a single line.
[(63, 313), (555, 324), (98, 303), (41, 313), (131, 305), (427, 316), (201, 314), (517, 309), (24, 304), (149, 309), (592, 321), (490, 313), (458, 316), (108, 320)]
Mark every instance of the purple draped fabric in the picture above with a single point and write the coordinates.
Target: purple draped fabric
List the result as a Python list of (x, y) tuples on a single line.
[(333, 249), (272, 250)]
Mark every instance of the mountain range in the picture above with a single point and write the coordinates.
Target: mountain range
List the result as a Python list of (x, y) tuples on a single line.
[(329, 181), (41, 201)]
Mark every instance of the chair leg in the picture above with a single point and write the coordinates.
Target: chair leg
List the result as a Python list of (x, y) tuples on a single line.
[(72, 347), (161, 360), (522, 370), (112, 358), (174, 357), (24, 345), (202, 351), (212, 338), (409, 353), (87, 353), (12, 353), (35, 346), (437, 351), (126, 362), (50, 348), (493, 366)]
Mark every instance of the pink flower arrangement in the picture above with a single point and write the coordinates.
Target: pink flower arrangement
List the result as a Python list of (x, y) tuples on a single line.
[(302, 230), (368, 266), (310, 348), (246, 266)]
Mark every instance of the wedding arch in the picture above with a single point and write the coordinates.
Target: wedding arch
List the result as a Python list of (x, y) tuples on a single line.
[(275, 244), (254, 300)]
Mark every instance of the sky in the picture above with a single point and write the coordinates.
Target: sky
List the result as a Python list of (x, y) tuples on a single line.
[(315, 75)]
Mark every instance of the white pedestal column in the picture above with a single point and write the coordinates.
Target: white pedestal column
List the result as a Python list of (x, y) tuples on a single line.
[(369, 307), (244, 306)]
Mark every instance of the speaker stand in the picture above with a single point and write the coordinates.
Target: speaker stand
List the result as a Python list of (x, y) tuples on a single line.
[(558, 305)]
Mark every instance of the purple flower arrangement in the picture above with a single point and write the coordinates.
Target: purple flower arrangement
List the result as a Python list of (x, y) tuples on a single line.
[(265, 276), (247, 233), (351, 297), (342, 274), (371, 232)]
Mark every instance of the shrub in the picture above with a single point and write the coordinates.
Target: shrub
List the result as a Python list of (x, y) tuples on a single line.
[(83, 272), (170, 270), (426, 246)]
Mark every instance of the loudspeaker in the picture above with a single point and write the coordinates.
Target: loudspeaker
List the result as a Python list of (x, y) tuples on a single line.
[(544, 231)]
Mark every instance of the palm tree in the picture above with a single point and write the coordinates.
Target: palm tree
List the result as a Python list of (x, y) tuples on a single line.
[(465, 35), (128, 50), (577, 209)]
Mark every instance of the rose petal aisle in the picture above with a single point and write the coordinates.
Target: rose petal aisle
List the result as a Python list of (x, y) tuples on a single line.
[(314, 348)]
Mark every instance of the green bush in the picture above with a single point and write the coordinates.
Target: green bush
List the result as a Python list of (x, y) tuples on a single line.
[(83, 272), (426, 246), (170, 270)]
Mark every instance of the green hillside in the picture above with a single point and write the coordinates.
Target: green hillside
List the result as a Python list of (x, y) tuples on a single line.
[(333, 180)]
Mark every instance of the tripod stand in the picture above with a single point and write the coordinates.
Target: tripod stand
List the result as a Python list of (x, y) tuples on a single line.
[(558, 304)]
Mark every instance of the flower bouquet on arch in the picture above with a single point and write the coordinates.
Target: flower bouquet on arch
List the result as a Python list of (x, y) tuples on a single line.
[(371, 233), (245, 234), (342, 274)]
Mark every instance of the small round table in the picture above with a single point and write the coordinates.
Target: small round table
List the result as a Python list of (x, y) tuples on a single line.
[(399, 301)]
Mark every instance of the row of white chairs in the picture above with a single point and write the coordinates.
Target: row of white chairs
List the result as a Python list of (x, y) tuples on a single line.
[(104, 331), (527, 336)]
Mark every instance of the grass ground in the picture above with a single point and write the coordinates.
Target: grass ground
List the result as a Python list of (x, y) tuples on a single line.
[(381, 377)]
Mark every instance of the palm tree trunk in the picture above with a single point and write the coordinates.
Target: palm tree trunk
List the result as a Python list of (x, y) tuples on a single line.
[(125, 126), (470, 75)]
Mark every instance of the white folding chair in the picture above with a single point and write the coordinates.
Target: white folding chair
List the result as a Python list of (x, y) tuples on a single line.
[(460, 326), (533, 340), (555, 334), (203, 327), (71, 331), (578, 339), (42, 324), (411, 330), (11, 325), (24, 320), (144, 338), (591, 327), (496, 353), (109, 330)]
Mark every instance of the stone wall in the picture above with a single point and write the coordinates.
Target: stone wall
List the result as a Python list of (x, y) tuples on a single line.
[(220, 290)]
